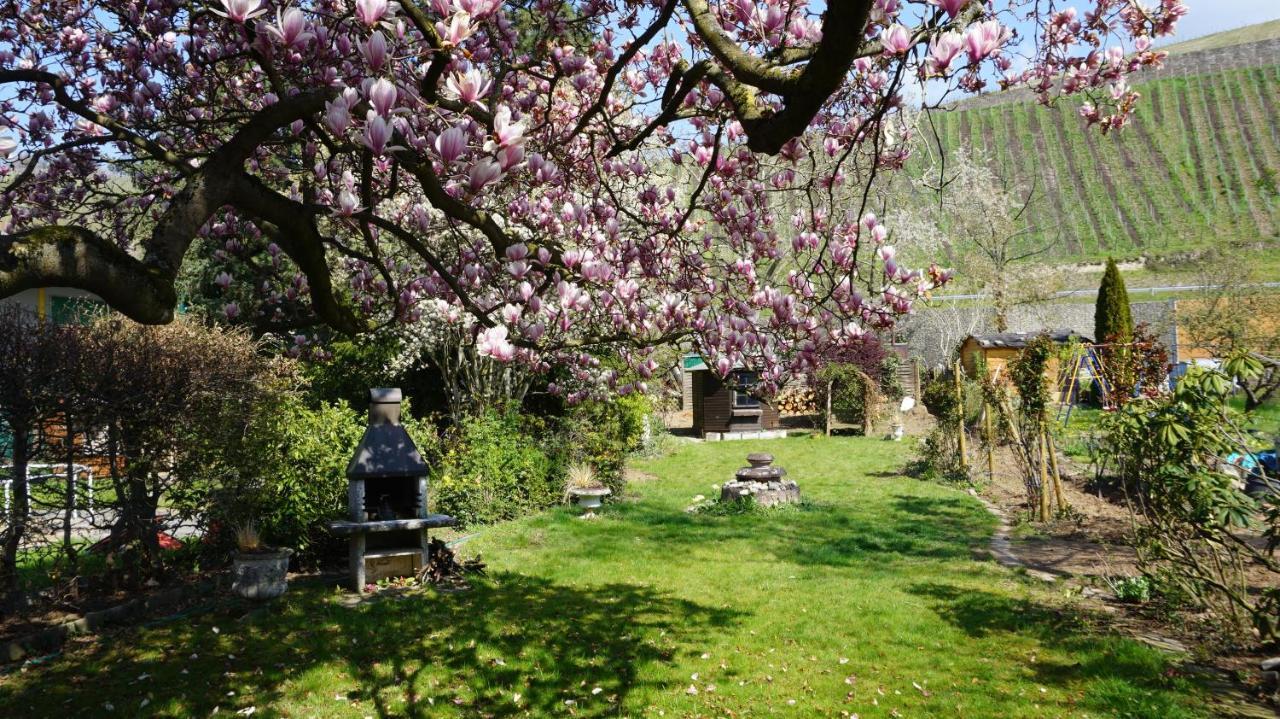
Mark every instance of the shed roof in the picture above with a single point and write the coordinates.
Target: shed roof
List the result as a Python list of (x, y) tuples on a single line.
[(693, 362), (1018, 340)]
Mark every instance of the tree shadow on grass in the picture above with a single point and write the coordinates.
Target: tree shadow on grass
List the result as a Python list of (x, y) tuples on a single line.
[(1120, 673), (909, 528), (512, 645)]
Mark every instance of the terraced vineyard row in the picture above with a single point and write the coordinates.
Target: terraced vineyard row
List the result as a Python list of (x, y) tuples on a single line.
[(1200, 165)]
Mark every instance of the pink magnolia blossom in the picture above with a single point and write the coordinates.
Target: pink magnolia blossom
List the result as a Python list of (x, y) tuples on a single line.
[(479, 9), (291, 27), (951, 7), (382, 95), (469, 86), (371, 12), (377, 132), (223, 280), (943, 49), (506, 133), (240, 11), (493, 343), (450, 144), (724, 366), (231, 310), (375, 51), (896, 39), (337, 117), (458, 28), (985, 38), (348, 203), (483, 173), (884, 11), (509, 157)]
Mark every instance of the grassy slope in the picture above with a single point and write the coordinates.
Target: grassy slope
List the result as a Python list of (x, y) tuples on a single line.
[(648, 601), (1227, 38), (1198, 168)]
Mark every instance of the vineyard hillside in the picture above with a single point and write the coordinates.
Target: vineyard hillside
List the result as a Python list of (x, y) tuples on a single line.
[(1199, 166)]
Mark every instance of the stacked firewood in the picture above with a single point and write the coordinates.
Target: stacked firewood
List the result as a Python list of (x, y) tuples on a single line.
[(796, 398), (444, 569)]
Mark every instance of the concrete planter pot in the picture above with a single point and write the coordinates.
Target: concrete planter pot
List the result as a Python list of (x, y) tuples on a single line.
[(261, 575), (590, 498)]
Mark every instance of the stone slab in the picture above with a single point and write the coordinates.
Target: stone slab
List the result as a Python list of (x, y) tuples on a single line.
[(756, 434)]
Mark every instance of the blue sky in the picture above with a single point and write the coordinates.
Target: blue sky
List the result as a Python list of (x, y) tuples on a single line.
[(1210, 16)]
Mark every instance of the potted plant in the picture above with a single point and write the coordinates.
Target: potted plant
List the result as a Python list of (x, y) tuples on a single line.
[(258, 571), (586, 488)]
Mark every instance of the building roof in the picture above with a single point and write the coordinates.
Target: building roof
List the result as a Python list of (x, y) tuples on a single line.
[(693, 362), (1018, 340)]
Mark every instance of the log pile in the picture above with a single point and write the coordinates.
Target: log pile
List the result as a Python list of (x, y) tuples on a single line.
[(443, 568), (796, 399)]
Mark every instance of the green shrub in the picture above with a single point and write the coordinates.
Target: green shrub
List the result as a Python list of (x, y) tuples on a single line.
[(1112, 318), (298, 457), (354, 367), (493, 467), (1132, 589), (939, 398), (849, 393), (602, 434)]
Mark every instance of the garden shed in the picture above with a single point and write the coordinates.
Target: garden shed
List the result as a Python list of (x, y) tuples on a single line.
[(994, 351), (721, 408)]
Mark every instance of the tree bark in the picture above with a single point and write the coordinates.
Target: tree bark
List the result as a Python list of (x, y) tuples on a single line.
[(19, 513)]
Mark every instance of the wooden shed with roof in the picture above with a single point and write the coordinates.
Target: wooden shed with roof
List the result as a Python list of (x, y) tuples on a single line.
[(994, 351), (727, 407)]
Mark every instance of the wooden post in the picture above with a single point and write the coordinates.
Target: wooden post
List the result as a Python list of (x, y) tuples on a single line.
[(867, 409), (989, 430), (1044, 479), (1053, 463), (964, 460), (830, 387)]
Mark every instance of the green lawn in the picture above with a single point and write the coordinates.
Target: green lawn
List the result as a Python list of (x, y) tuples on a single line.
[(869, 600)]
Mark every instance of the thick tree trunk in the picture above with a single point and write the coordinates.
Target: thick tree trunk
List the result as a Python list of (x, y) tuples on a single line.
[(68, 547), (19, 513)]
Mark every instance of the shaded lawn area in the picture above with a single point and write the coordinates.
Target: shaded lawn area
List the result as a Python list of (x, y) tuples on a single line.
[(868, 601)]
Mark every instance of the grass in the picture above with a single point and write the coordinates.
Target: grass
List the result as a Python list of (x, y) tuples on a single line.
[(866, 600), (1227, 38), (1266, 418)]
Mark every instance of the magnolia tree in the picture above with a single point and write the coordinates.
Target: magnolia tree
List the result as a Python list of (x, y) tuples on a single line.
[(524, 162)]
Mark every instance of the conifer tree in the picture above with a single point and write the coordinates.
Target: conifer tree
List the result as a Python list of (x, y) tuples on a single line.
[(1111, 315)]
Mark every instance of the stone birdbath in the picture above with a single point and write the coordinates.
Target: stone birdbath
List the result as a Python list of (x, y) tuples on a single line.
[(762, 482)]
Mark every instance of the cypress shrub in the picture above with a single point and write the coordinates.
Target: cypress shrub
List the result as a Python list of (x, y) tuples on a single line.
[(1112, 320)]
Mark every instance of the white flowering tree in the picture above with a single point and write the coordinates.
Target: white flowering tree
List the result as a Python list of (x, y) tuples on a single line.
[(470, 367), (521, 161)]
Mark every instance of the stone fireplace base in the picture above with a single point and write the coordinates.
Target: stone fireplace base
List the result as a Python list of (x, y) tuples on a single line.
[(766, 494)]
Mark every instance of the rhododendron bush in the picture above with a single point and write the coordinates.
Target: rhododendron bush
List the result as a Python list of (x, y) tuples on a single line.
[(568, 175)]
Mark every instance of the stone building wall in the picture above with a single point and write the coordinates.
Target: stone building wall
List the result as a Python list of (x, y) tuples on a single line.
[(934, 333)]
